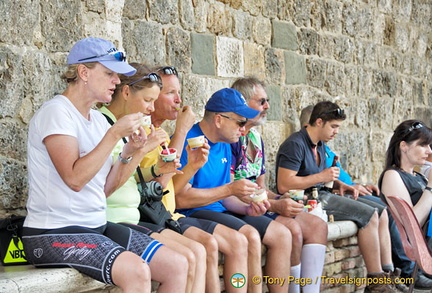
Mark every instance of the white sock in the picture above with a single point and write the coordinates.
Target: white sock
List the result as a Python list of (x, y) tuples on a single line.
[(312, 259), (295, 272)]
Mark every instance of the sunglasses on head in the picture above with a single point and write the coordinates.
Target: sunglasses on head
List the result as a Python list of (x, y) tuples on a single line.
[(416, 125), (240, 123), (118, 55), (338, 112), (153, 77), (168, 70)]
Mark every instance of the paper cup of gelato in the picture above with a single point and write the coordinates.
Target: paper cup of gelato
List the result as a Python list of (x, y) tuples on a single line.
[(196, 142), (296, 194), (168, 155), (146, 121), (259, 195)]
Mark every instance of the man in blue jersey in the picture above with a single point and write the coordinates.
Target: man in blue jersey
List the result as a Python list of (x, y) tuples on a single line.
[(211, 195)]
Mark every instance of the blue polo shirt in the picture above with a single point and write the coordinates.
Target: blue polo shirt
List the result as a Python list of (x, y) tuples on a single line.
[(296, 154), (215, 173)]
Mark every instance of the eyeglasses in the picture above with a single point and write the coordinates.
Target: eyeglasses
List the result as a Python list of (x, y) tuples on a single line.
[(263, 101), (153, 77), (416, 125), (240, 123), (168, 70), (338, 112), (118, 55)]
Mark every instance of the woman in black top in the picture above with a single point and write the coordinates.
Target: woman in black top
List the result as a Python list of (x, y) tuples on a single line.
[(408, 147)]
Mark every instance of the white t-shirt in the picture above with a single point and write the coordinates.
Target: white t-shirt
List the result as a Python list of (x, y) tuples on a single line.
[(51, 203)]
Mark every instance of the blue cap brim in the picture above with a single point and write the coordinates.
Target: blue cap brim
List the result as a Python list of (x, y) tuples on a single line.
[(247, 112), (118, 67)]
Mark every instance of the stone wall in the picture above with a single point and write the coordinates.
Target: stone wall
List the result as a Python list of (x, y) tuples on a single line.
[(375, 56)]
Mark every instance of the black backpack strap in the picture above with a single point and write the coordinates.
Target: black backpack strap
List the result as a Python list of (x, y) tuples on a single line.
[(141, 177)]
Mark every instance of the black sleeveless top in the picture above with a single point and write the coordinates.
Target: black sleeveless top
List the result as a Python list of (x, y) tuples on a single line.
[(415, 184)]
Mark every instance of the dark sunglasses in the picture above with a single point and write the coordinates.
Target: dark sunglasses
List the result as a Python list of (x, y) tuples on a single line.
[(240, 123), (119, 56), (168, 70), (263, 101), (153, 77), (416, 125), (338, 112)]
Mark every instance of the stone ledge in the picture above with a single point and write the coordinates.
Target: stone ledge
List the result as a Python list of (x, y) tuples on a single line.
[(16, 279)]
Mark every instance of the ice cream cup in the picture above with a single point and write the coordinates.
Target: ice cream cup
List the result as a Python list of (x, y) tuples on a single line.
[(146, 121), (259, 195), (196, 142), (168, 155), (296, 194)]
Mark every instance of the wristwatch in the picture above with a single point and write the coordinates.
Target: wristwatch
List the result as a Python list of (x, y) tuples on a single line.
[(428, 188), (123, 160), (152, 170)]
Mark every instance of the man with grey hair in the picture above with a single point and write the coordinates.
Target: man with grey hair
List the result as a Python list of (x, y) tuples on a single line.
[(309, 232)]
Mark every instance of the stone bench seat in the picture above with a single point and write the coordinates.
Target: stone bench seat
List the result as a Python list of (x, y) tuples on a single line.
[(27, 278)]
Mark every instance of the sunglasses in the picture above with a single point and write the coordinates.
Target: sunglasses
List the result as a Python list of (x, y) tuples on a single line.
[(263, 101), (168, 70), (240, 123), (338, 112), (416, 125), (118, 55), (153, 77)]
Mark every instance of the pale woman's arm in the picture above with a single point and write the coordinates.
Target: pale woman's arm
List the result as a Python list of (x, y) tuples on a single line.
[(392, 184)]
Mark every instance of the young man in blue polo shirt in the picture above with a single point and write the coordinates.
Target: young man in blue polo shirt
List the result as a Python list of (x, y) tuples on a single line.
[(211, 195)]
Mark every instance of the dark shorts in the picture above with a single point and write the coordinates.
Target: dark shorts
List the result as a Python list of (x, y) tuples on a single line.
[(205, 225), (90, 251), (150, 227), (234, 221), (359, 211)]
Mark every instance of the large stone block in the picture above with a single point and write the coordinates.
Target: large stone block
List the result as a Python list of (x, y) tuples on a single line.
[(11, 72), (179, 49), (242, 25), (219, 19), (401, 38), (274, 94), (316, 72), (335, 78), (270, 9), (308, 40), (284, 35), (326, 46), (252, 6), (144, 42), (20, 19), (203, 54), (199, 89), (254, 60), (385, 83), (262, 31), (344, 49), (13, 184), (274, 66), (327, 16), (135, 9), (187, 19), (201, 8), (229, 56), (300, 12), (164, 11), (13, 140), (59, 30), (295, 68)]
